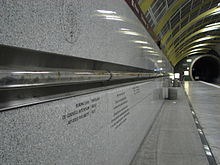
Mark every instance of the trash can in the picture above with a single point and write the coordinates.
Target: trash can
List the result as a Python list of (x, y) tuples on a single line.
[(172, 93)]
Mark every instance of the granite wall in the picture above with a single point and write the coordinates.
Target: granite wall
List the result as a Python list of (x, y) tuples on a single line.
[(103, 128), (93, 29)]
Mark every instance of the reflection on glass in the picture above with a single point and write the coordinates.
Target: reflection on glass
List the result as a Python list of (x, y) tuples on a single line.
[(114, 17), (106, 12), (140, 42), (109, 15), (129, 32), (151, 51), (146, 47)]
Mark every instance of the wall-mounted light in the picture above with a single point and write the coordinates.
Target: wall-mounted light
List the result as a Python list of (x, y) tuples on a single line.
[(186, 73), (159, 61), (176, 75), (189, 60), (171, 76)]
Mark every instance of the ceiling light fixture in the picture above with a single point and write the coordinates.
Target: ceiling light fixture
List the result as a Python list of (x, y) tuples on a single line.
[(213, 24)]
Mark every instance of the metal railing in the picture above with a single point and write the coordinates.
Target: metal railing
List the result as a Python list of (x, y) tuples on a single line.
[(10, 79)]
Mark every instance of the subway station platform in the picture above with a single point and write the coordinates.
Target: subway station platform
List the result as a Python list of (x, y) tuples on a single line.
[(205, 99), (187, 130)]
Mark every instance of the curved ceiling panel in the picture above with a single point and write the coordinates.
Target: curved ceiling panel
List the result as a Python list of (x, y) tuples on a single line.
[(184, 27)]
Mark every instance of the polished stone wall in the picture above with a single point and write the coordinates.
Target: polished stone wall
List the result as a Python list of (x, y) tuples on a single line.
[(103, 128), (92, 29)]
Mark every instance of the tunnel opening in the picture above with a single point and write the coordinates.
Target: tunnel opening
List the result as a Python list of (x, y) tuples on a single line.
[(207, 69)]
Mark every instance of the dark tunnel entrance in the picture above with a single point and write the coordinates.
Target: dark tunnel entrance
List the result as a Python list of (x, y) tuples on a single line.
[(207, 69)]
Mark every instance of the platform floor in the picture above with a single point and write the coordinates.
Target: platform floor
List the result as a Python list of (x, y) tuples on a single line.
[(205, 99), (173, 139)]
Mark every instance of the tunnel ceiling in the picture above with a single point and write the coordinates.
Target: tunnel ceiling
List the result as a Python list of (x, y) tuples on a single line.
[(183, 27)]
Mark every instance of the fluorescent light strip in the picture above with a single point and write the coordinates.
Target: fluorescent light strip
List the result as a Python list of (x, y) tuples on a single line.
[(196, 50), (205, 38), (213, 24), (216, 27), (200, 45), (195, 53)]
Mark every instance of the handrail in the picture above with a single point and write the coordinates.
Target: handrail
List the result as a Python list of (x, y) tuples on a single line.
[(10, 79)]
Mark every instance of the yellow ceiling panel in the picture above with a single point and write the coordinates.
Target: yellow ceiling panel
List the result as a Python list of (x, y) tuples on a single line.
[(172, 50), (145, 5), (201, 16), (174, 7), (170, 31)]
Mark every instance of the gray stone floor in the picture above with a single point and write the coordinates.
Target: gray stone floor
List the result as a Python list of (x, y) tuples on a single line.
[(205, 100), (173, 139)]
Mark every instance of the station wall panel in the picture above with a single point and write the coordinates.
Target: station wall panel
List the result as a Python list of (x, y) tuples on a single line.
[(101, 128)]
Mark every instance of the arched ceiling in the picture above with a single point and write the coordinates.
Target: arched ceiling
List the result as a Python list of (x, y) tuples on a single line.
[(184, 27)]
